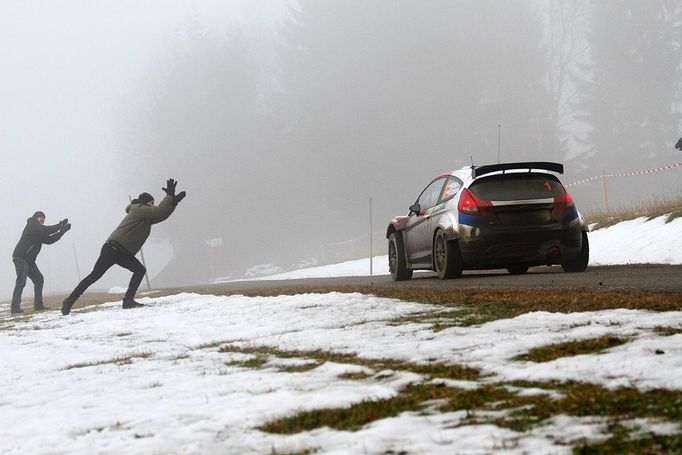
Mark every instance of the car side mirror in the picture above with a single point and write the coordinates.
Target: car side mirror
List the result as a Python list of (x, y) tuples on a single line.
[(415, 208)]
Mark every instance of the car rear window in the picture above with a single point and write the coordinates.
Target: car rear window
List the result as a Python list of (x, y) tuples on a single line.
[(517, 186)]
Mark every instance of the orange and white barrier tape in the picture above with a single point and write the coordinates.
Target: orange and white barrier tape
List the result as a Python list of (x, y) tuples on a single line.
[(624, 174)]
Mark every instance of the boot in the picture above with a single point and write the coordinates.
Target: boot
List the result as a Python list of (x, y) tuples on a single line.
[(130, 303), (41, 307), (66, 305), (17, 311)]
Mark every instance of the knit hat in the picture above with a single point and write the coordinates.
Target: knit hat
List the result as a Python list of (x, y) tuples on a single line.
[(143, 198), (38, 214)]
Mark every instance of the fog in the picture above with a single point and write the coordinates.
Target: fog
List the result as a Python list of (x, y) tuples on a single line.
[(282, 118)]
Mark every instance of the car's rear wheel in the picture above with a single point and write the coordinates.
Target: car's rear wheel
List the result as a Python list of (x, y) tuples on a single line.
[(397, 263), (579, 264), (517, 269), (446, 257)]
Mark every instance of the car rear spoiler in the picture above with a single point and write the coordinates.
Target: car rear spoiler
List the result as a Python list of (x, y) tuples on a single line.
[(546, 166)]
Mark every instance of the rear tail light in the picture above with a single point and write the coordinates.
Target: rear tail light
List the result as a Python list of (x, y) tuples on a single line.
[(562, 203), (470, 204)]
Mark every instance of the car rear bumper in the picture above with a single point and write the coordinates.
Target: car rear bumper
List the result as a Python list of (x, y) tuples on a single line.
[(501, 248)]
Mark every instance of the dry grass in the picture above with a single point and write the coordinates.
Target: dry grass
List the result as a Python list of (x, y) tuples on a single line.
[(435, 369), (571, 348), (120, 360), (671, 206), (496, 404)]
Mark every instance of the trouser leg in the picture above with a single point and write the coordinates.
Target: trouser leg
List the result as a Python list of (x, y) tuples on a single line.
[(38, 281), (21, 267), (107, 258), (131, 263)]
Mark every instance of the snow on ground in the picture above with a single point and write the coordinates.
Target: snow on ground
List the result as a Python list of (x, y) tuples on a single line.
[(638, 241), (631, 242), (153, 380), (357, 267)]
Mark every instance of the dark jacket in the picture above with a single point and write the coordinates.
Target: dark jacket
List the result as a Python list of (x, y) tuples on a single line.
[(137, 225), (33, 237)]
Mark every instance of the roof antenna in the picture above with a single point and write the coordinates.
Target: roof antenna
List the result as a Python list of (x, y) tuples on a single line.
[(473, 168), (499, 131)]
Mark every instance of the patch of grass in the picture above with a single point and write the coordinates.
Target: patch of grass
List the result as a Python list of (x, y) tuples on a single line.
[(300, 452), (582, 400), (484, 405), (425, 318), (357, 376), (413, 397), (255, 362), (439, 320), (298, 368), (652, 444), (671, 206), (120, 360), (434, 370), (571, 348), (181, 356), (352, 418), (210, 345), (667, 331)]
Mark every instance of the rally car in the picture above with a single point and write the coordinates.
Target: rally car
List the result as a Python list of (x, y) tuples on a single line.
[(510, 215)]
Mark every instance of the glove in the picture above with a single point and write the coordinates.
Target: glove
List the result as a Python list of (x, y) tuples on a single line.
[(179, 197), (66, 227), (170, 187), (64, 222)]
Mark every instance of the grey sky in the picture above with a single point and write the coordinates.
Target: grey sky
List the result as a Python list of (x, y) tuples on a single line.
[(66, 68)]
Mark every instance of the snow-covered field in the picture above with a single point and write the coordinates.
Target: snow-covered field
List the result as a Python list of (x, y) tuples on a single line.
[(154, 380)]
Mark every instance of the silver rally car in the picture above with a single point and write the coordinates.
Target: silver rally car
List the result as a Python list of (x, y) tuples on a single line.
[(509, 215)]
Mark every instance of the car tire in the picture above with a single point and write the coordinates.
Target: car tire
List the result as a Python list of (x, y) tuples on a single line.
[(517, 269), (579, 264), (447, 261), (397, 262)]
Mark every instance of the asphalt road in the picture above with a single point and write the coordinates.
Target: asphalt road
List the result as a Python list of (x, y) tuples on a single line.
[(631, 278)]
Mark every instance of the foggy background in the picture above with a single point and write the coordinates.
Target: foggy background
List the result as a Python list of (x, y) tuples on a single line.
[(282, 118)]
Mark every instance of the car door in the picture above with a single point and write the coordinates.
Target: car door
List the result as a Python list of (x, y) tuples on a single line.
[(450, 189), (417, 230)]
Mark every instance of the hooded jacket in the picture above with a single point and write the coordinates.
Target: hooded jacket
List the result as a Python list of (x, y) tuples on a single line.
[(135, 228), (33, 237)]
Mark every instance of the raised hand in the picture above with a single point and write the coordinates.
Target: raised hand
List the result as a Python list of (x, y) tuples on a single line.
[(180, 196), (64, 222), (170, 187)]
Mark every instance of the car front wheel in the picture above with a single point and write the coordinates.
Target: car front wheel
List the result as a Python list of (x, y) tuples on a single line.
[(579, 264), (446, 257), (397, 263)]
